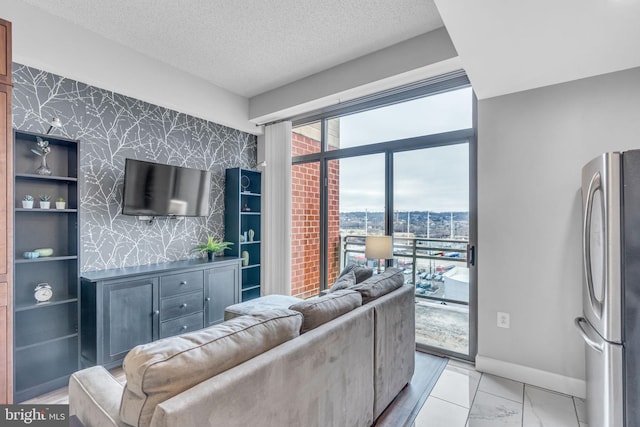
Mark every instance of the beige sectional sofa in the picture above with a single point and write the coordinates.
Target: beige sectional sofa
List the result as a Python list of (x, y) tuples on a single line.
[(345, 368)]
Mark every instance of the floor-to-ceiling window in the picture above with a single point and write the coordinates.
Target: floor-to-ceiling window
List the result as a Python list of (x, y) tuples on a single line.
[(402, 165)]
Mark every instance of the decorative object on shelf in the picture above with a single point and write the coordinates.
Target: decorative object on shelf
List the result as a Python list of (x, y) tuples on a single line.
[(60, 203), (45, 201), (245, 182), (251, 234), (27, 201), (245, 258), (31, 255), (43, 292), (54, 123), (44, 251), (43, 151), (245, 208), (212, 246), (242, 239)]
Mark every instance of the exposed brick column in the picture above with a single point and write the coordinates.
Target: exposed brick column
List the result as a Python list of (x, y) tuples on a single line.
[(305, 218)]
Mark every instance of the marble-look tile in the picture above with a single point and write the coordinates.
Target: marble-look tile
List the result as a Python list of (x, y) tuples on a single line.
[(437, 413), (501, 387), (583, 424), (457, 385), (493, 411), (581, 409), (461, 364), (543, 408)]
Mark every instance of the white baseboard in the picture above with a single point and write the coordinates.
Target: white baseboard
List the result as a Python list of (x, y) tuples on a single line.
[(533, 376)]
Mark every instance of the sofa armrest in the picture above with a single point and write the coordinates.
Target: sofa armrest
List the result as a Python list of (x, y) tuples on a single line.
[(94, 397)]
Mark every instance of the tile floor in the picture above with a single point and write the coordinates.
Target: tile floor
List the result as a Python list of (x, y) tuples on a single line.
[(463, 397)]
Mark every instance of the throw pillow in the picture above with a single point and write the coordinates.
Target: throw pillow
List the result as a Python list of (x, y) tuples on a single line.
[(380, 284), (344, 282), (362, 273), (320, 310)]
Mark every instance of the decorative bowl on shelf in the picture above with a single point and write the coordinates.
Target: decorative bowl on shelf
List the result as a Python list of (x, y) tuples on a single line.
[(31, 254)]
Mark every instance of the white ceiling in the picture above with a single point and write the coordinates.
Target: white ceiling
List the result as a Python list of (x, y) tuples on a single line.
[(508, 46), (251, 46)]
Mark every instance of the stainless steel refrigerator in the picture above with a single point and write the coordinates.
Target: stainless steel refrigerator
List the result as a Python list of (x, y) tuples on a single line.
[(610, 324)]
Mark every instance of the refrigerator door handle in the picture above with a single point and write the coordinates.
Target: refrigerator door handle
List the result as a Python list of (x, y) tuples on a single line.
[(591, 343), (594, 185)]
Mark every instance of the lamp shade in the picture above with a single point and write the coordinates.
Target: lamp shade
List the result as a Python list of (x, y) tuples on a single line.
[(378, 247)]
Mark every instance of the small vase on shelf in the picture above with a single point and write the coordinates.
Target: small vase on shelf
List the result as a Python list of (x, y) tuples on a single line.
[(44, 168), (42, 150)]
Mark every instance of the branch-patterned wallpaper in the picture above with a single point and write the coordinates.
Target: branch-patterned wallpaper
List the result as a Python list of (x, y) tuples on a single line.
[(110, 128)]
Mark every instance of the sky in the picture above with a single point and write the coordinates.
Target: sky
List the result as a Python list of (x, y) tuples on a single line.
[(435, 179)]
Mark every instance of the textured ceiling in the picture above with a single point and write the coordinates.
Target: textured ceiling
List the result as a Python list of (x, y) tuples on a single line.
[(251, 46)]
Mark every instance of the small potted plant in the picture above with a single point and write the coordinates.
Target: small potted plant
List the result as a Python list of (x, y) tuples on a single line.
[(27, 201), (45, 201), (60, 203), (212, 246)]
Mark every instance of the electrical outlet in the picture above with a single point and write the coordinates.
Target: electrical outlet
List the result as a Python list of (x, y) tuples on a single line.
[(503, 320)]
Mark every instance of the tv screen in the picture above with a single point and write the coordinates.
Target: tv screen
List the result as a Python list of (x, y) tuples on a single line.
[(153, 189)]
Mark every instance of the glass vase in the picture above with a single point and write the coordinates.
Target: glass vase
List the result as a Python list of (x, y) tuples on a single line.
[(44, 168)]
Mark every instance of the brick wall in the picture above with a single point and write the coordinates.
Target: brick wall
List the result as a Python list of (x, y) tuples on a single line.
[(305, 219)]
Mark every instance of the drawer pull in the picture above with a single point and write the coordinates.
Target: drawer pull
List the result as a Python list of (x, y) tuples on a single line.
[(184, 305), (156, 312), (207, 299), (184, 282), (184, 327)]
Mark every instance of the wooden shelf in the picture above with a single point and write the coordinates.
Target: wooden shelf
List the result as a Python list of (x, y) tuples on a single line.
[(44, 259), (46, 210), (45, 334), (34, 176), (65, 299), (239, 222), (45, 342)]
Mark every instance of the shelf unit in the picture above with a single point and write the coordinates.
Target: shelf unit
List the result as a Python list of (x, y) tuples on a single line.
[(46, 345), (243, 212)]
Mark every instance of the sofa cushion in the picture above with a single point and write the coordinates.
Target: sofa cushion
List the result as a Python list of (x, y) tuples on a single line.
[(164, 368), (361, 273), (380, 284), (317, 311), (344, 282)]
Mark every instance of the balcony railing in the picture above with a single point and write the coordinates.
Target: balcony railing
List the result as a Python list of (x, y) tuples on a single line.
[(437, 268)]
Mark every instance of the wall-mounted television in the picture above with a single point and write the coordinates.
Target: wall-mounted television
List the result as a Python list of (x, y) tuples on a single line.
[(154, 189)]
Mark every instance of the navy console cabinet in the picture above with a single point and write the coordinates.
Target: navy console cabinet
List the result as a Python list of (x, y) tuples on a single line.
[(125, 307)]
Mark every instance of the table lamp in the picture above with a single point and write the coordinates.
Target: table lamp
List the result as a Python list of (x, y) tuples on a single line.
[(378, 247)]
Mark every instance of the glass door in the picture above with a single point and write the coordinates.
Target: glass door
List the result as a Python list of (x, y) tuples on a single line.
[(431, 228)]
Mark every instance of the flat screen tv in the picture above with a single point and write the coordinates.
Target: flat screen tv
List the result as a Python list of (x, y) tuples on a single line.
[(154, 189)]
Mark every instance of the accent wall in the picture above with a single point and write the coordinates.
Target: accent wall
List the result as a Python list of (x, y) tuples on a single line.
[(112, 127)]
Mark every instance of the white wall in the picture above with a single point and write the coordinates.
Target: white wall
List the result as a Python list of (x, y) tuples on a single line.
[(416, 59), (48, 43), (531, 148)]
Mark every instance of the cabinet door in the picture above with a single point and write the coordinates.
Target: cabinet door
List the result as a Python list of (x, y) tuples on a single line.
[(130, 317), (222, 289), (5, 52)]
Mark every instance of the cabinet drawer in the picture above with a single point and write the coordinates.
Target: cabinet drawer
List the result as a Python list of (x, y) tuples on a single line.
[(175, 284), (181, 325), (181, 305)]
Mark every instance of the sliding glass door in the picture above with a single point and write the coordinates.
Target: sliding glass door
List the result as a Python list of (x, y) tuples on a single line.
[(431, 235)]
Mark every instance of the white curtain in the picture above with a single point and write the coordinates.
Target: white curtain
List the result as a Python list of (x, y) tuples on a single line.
[(274, 149)]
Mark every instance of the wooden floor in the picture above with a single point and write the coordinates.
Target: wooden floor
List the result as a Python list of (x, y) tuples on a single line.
[(401, 412)]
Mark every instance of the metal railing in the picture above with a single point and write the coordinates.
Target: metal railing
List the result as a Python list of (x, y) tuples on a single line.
[(440, 255)]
